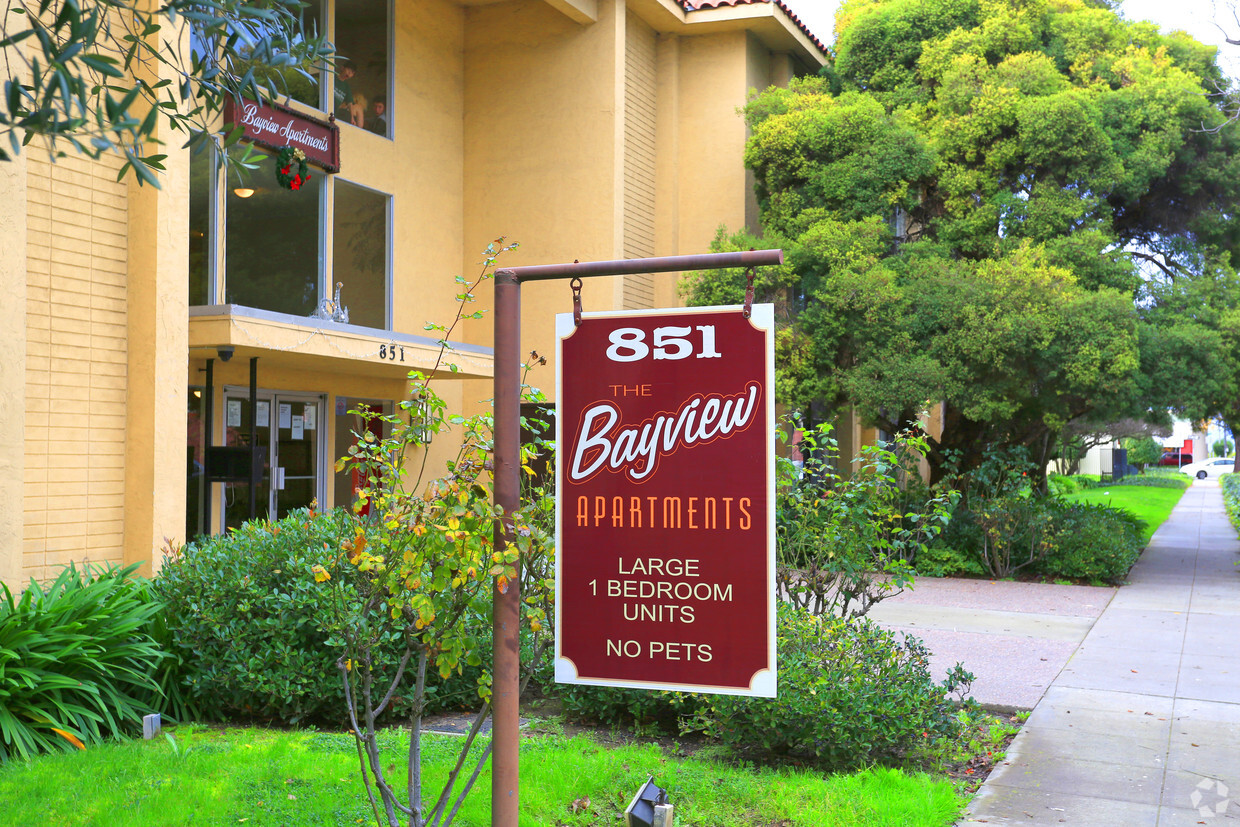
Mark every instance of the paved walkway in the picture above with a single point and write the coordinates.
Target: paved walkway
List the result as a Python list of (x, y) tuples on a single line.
[(1142, 726), (1015, 637)]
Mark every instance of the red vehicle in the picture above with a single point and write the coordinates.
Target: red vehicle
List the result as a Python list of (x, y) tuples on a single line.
[(1175, 459)]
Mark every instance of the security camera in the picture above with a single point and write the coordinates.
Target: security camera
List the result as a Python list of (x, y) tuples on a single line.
[(226, 353)]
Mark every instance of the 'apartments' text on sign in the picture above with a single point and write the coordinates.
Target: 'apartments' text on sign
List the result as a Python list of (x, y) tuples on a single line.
[(665, 564), (275, 127)]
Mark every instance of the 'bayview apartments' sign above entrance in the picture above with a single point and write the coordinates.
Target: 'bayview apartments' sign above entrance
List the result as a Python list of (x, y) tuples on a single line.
[(665, 563), (276, 127)]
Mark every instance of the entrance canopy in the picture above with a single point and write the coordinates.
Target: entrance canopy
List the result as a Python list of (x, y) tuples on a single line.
[(299, 342)]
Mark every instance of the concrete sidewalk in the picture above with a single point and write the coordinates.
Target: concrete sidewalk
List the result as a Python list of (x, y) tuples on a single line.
[(1142, 726), (1015, 637)]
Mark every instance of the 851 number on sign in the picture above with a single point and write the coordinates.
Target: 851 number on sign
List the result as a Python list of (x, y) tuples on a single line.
[(628, 344), (388, 353)]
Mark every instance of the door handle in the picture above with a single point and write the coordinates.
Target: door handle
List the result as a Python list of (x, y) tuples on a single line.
[(279, 480)]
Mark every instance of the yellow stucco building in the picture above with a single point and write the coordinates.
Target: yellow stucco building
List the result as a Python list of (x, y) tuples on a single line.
[(135, 319)]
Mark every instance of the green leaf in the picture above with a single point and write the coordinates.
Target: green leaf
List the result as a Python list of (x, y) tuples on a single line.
[(16, 38), (103, 64)]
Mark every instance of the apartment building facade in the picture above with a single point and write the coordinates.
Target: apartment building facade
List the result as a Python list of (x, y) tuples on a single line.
[(149, 331)]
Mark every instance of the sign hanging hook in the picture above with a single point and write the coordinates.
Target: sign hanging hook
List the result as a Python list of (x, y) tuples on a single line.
[(575, 284), (749, 274)]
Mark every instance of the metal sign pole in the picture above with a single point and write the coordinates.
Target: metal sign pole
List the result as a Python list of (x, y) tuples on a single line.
[(507, 604), (506, 615)]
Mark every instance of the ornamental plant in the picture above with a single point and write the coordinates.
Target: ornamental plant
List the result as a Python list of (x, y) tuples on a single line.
[(851, 693), (76, 662), (846, 543), (1003, 517), (418, 551)]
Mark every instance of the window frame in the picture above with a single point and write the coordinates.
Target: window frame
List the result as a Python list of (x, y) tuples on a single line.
[(389, 216), (217, 245), (216, 275)]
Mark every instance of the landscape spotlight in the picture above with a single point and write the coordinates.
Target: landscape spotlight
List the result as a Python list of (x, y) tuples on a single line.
[(649, 808)]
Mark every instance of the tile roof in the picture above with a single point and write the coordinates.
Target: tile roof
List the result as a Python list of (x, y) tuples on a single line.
[(699, 5)]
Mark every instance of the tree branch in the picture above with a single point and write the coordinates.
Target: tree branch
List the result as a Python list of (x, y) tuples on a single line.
[(1156, 262)]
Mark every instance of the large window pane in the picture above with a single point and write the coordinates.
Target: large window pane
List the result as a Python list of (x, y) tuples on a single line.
[(359, 257), (299, 83), (201, 240), (273, 243), (362, 72), (301, 88)]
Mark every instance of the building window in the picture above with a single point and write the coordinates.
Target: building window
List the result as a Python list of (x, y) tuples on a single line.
[(358, 92), (286, 251), (362, 84), (201, 191), (351, 426), (195, 464), (308, 90), (360, 253), (272, 247), (275, 254)]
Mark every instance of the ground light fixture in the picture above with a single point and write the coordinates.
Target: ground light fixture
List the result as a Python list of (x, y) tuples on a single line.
[(649, 808)]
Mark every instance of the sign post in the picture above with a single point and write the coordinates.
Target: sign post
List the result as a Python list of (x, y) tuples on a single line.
[(665, 468), (506, 615)]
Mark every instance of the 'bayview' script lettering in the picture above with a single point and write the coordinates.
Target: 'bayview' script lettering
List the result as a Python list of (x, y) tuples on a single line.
[(286, 130), (635, 449)]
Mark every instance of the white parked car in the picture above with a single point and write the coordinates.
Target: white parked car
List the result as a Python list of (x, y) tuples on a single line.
[(1210, 467)]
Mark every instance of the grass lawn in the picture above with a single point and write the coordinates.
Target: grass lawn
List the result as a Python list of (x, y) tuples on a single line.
[(1153, 505), (233, 775)]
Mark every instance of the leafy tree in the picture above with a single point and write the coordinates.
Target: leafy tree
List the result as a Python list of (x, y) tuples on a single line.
[(1142, 451), (969, 200), (111, 75), (422, 546), (1193, 342), (1222, 447)]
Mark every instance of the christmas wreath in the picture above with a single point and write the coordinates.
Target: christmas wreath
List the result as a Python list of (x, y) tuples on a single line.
[(286, 159)]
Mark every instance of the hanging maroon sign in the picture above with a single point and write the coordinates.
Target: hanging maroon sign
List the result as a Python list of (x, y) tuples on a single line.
[(665, 507), (275, 127)]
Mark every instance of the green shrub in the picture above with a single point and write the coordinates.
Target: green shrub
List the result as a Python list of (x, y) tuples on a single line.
[(1002, 519), (1142, 451), (638, 708), (941, 560), (1058, 485), (75, 661), (249, 624), (1092, 542), (850, 693), (1231, 497), (844, 543), (1151, 479), (169, 698)]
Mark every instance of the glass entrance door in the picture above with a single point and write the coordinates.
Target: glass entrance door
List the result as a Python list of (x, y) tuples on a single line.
[(287, 433), (296, 451)]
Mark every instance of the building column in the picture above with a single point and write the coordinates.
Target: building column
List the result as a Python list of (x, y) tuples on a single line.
[(13, 228), (158, 350)]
